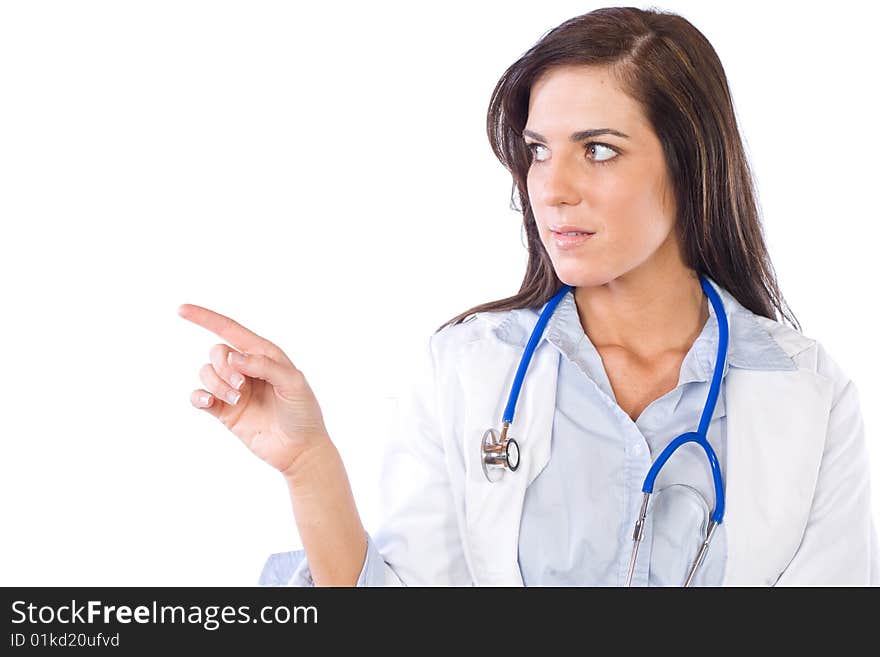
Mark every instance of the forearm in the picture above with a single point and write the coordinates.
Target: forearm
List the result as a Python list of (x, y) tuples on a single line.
[(326, 517)]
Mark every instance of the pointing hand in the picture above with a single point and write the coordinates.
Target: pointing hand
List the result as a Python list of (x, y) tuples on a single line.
[(256, 392)]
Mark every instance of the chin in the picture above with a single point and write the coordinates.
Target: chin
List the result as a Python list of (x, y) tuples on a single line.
[(582, 276)]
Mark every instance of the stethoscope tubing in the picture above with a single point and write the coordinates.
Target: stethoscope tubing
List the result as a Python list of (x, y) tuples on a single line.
[(698, 436), (504, 452), (529, 350)]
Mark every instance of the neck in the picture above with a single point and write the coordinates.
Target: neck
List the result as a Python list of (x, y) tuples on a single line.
[(648, 314)]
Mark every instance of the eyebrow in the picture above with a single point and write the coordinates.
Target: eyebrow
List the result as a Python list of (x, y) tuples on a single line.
[(580, 135)]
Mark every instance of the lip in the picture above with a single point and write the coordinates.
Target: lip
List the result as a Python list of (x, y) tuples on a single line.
[(565, 242), (570, 228)]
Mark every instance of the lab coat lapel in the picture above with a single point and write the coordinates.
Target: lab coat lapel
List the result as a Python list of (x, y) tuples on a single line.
[(493, 510), (773, 457)]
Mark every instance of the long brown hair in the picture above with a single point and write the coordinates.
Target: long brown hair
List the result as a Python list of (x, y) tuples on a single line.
[(668, 66)]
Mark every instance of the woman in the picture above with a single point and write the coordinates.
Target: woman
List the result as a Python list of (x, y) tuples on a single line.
[(620, 134)]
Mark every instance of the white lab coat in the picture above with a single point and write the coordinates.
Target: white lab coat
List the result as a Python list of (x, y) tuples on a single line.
[(798, 507)]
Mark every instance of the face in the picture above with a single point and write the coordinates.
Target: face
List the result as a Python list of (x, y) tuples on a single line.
[(612, 185)]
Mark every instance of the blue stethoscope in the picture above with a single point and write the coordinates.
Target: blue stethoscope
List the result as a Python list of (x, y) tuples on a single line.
[(500, 453)]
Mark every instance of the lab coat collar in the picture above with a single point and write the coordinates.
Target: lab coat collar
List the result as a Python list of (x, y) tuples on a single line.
[(750, 346), (770, 450)]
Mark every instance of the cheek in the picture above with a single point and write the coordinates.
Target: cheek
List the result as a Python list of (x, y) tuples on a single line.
[(531, 189), (635, 235), (633, 213)]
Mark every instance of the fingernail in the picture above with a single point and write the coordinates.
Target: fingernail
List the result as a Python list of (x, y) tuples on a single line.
[(233, 397), (204, 400), (235, 358), (236, 380)]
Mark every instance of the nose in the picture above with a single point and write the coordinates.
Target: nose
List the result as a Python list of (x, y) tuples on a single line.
[(558, 182)]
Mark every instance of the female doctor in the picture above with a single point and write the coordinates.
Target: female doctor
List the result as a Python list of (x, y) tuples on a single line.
[(646, 314)]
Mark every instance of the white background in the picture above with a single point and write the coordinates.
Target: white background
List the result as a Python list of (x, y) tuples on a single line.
[(321, 173)]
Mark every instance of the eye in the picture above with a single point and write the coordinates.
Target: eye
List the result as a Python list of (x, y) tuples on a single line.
[(587, 147), (610, 152)]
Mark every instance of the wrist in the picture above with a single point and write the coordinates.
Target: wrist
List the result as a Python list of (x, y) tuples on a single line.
[(310, 461)]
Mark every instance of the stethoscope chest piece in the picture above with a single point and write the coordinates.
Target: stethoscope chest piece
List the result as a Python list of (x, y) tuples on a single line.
[(497, 454)]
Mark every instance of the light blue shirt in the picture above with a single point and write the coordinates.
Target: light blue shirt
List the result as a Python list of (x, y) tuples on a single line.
[(579, 512)]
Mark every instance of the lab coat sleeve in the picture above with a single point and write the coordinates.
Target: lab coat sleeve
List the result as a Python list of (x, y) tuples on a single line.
[(420, 535), (292, 569), (839, 545), (419, 541)]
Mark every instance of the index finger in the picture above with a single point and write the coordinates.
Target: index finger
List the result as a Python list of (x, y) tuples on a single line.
[(227, 328)]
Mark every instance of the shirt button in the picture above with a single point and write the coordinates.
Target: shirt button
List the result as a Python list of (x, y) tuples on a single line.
[(637, 449)]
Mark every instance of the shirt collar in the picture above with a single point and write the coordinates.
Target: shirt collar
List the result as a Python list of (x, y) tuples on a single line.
[(750, 346)]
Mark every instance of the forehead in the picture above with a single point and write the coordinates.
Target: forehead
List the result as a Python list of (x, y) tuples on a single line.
[(569, 98)]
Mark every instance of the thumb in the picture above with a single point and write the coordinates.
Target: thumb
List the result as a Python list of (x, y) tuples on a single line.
[(285, 379)]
